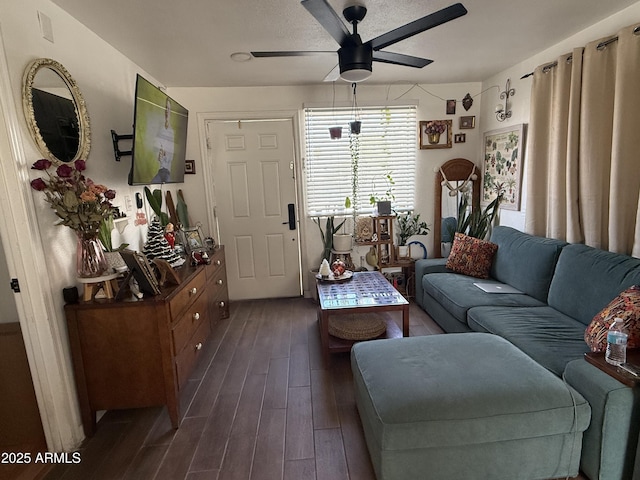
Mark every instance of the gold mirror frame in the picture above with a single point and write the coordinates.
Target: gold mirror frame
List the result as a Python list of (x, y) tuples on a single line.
[(84, 133)]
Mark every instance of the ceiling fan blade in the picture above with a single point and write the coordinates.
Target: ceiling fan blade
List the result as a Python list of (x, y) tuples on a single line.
[(400, 59), (333, 75), (425, 23), (292, 53), (328, 18)]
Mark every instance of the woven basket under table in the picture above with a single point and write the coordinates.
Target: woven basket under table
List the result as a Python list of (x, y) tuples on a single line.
[(357, 326)]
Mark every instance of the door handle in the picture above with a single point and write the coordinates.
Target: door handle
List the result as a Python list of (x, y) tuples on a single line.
[(292, 216)]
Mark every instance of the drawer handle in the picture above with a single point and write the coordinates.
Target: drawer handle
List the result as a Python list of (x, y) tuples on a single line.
[(199, 346), (196, 316), (221, 304), (193, 291), (218, 263), (220, 282)]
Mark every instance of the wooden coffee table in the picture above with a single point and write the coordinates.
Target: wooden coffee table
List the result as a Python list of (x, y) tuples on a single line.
[(365, 292)]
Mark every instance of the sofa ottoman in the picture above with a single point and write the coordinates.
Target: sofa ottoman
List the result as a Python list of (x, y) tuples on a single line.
[(467, 405)]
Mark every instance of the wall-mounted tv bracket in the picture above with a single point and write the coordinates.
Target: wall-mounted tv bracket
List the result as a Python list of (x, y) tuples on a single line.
[(116, 139)]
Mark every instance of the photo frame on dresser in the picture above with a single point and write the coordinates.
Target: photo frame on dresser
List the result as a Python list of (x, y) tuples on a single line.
[(193, 240), (140, 269)]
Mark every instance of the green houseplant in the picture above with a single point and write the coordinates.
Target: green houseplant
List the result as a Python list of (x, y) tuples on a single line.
[(111, 254), (477, 223), (408, 225), (155, 202), (327, 233)]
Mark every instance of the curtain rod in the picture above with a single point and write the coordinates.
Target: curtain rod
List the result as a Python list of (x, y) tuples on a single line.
[(600, 46)]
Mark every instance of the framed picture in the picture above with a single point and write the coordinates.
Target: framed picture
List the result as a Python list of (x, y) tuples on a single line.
[(503, 151), (435, 134), (460, 137), (193, 240), (451, 107), (468, 122), (141, 271), (190, 167)]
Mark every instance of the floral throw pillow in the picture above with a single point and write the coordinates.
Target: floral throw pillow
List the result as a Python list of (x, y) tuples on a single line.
[(471, 256), (625, 306)]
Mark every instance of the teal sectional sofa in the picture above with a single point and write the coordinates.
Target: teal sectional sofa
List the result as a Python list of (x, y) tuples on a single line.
[(564, 286)]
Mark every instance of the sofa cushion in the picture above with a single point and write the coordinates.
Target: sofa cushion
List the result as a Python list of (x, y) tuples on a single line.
[(457, 293), (525, 261), (549, 337), (625, 306), (587, 279), (471, 256)]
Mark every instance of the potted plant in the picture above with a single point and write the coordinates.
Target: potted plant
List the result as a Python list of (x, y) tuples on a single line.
[(409, 225), (478, 223), (383, 203), (327, 233), (111, 254), (155, 202)]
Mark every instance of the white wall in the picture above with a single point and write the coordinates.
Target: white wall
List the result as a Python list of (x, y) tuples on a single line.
[(205, 101), (106, 79), (520, 102)]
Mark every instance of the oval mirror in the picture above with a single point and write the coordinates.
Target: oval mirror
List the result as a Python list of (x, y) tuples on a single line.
[(55, 112)]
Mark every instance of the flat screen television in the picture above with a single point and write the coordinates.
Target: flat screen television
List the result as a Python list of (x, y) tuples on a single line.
[(159, 137)]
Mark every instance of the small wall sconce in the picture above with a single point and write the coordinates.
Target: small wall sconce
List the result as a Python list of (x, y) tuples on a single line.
[(503, 112)]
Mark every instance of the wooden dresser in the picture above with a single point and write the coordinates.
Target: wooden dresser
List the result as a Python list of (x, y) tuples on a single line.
[(139, 353)]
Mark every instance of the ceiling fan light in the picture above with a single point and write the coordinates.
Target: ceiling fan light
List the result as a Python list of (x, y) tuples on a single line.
[(355, 62), (355, 75)]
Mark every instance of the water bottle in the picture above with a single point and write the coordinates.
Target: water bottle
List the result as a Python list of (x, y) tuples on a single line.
[(616, 343)]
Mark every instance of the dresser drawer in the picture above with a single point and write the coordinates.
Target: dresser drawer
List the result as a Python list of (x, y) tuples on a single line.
[(216, 265), (189, 322), (186, 360), (218, 284), (187, 294)]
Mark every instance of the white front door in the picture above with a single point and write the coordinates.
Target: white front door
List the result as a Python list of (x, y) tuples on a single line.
[(253, 174)]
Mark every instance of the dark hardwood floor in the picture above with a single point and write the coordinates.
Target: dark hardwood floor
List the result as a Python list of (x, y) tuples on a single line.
[(260, 406)]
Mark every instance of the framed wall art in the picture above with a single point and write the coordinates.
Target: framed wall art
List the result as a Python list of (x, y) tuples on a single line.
[(503, 151), (435, 134), (468, 121), (190, 167), (451, 107)]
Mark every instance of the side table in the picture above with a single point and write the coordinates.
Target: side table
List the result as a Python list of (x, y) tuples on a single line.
[(633, 357)]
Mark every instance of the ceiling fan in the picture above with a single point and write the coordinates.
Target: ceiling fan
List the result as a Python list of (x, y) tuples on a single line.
[(354, 56)]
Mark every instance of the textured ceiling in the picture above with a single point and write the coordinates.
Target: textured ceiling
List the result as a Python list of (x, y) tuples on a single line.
[(189, 43)]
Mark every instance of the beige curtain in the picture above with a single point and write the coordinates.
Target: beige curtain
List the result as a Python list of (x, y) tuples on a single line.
[(583, 154)]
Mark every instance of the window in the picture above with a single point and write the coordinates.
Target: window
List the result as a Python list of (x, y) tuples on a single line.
[(387, 144)]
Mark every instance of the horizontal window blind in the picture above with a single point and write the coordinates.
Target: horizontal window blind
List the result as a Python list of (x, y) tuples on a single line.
[(387, 145)]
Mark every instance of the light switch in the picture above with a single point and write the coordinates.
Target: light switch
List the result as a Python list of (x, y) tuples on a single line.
[(45, 26)]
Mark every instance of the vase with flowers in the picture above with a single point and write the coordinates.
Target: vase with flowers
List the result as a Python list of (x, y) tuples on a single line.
[(81, 205), (434, 129)]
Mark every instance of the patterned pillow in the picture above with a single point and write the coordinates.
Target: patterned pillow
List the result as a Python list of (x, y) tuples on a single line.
[(625, 306), (471, 256)]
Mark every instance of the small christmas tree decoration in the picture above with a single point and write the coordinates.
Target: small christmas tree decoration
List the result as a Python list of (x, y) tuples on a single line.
[(158, 247)]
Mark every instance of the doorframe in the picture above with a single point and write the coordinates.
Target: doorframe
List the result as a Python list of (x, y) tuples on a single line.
[(207, 164), (44, 341)]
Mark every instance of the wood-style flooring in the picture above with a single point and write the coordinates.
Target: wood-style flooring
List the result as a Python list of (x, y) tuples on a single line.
[(260, 406)]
